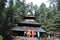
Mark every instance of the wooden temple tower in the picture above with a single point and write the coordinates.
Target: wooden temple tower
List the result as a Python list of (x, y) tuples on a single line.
[(28, 22)]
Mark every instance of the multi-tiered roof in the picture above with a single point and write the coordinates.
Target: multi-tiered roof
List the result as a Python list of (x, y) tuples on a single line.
[(28, 22)]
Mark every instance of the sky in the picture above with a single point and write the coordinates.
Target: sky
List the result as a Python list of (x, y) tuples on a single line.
[(38, 2)]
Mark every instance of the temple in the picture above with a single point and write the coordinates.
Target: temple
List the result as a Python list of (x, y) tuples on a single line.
[(28, 22)]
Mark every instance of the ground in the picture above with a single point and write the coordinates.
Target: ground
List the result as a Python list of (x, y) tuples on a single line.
[(26, 38), (57, 39)]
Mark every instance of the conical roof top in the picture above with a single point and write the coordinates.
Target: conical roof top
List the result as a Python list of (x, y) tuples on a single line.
[(29, 16)]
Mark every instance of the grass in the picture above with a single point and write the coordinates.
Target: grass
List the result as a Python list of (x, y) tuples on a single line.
[(1, 38)]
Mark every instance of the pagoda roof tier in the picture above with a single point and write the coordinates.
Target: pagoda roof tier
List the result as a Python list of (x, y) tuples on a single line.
[(29, 22), (31, 25), (29, 17), (26, 28)]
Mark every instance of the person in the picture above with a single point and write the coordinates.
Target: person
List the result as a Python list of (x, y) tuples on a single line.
[(51, 35), (25, 34), (33, 33), (29, 33), (48, 37), (38, 35), (54, 34)]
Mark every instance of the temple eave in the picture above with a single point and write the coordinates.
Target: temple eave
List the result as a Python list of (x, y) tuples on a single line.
[(26, 28)]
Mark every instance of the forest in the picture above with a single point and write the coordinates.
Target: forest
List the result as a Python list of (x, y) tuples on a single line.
[(48, 17)]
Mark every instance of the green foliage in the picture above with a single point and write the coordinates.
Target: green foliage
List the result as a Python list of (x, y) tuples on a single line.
[(1, 38), (49, 18)]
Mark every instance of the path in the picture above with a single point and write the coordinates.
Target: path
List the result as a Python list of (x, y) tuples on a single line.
[(26, 38), (56, 39)]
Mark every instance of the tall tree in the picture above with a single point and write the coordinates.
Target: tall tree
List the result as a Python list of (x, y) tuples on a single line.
[(8, 22), (58, 3), (2, 6), (20, 10)]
